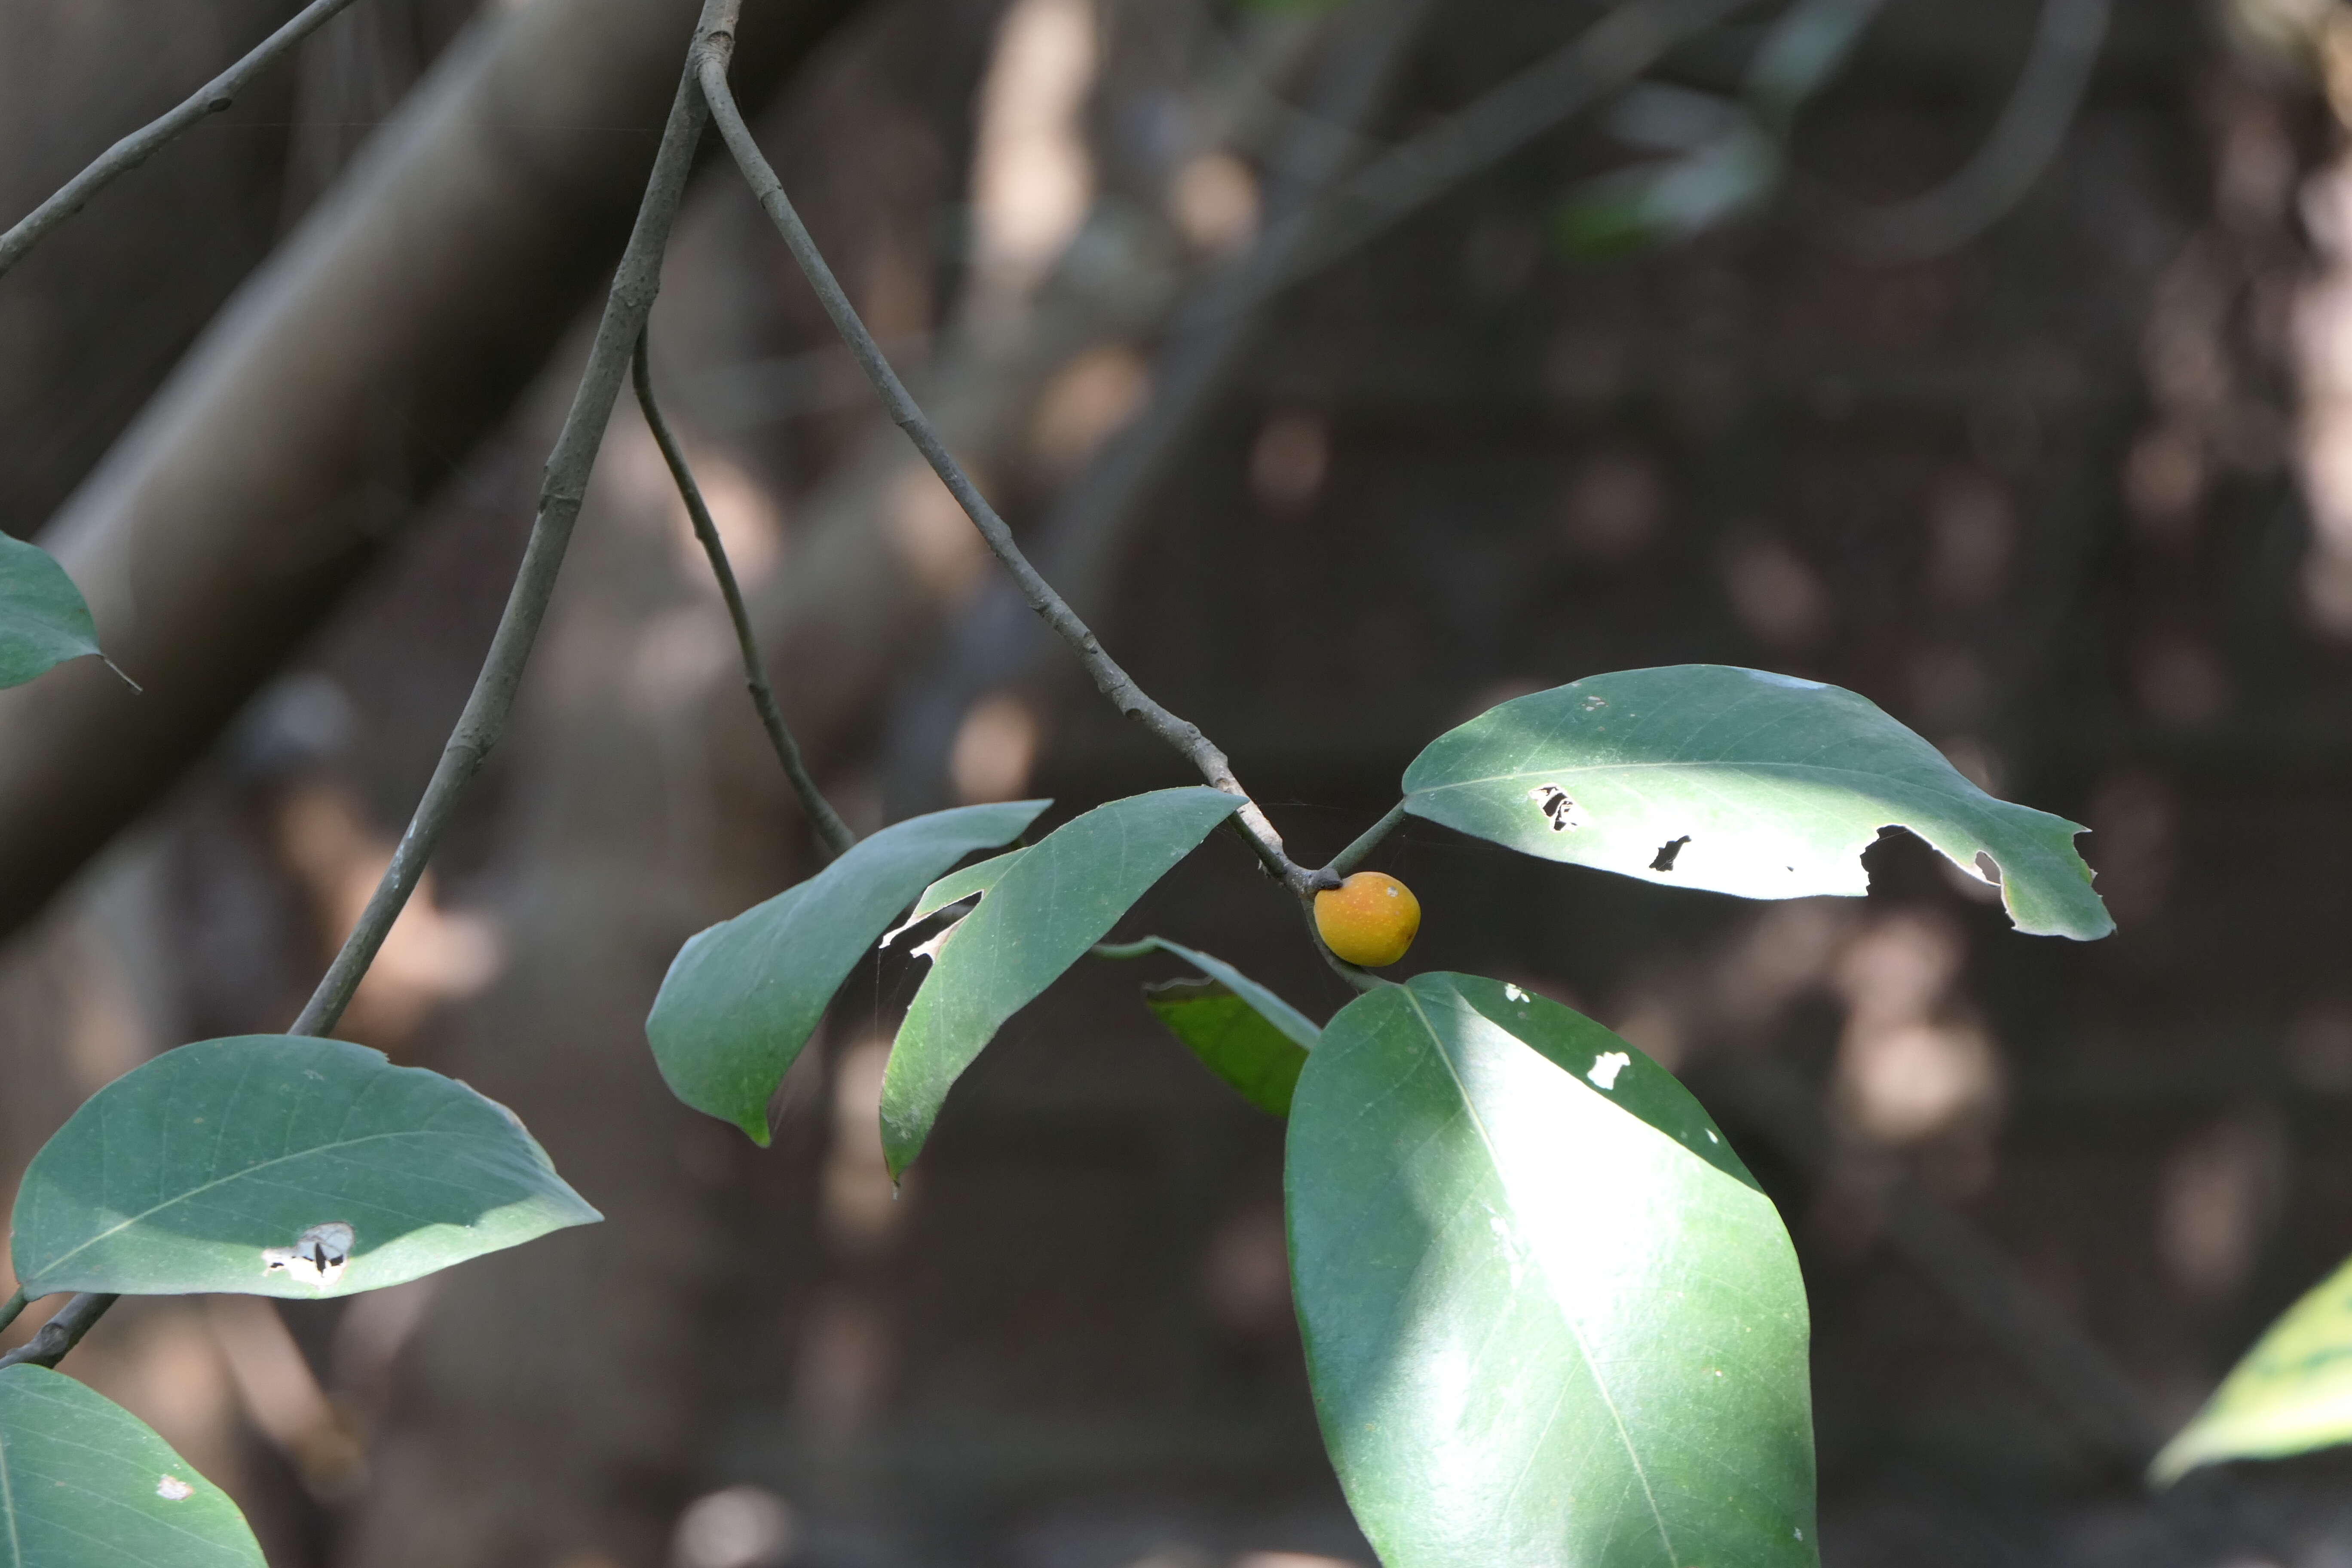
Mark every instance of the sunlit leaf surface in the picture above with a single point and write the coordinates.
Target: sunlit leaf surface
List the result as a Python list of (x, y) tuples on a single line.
[(1738, 782), (1549, 1318), (2292, 1393), (280, 1165), (86, 1484)]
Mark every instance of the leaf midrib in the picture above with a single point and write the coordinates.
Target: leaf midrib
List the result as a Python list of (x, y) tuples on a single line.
[(1568, 1321), (240, 1175)]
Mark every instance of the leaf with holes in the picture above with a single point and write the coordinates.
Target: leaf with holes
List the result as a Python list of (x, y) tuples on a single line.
[(43, 620), (1549, 1317), (1049, 906), (1241, 1031), (280, 1165), (2292, 1393), (742, 998), (86, 1484), (1738, 782), (973, 881)]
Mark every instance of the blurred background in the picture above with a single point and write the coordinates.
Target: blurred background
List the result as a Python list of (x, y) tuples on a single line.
[(1353, 366)]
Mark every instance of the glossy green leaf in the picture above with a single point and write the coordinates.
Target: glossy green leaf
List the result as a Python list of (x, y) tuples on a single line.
[(1549, 1318), (1738, 782), (86, 1484), (43, 619), (280, 1165), (957, 886), (742, 998), (2291, 1394), (1049, 906)]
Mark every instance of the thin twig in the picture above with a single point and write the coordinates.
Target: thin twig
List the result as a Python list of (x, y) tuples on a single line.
[(140, 145), (821, 815), (61, 1333), (14, 1307), (1113, 681), (634, 283), (1333, 211), (1348, 859)]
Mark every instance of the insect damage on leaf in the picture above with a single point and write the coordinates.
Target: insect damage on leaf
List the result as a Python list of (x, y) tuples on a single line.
[(1562, 812), (1668, 853), (317, 1256)]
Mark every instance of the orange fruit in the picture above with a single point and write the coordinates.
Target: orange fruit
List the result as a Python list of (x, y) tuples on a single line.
[(1370, 919)]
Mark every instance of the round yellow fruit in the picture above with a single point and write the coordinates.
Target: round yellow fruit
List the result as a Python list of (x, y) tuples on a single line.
[(1369, 920)]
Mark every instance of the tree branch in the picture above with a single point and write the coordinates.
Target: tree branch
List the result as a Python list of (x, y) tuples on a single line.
[(1114, 682), (821, 815), (484, 719), (140, 145), (1348, 859), (61, 1333), (14, 1307)]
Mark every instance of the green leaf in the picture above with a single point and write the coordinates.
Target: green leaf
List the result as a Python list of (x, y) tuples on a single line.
[(1738, 782), (742, 998), (43, 619), (280, 1165), (2292, 1393), (957, 885), (1042, 915), (86, 1484), (1232, 1038), (1243, 1032), (1549, 1318)]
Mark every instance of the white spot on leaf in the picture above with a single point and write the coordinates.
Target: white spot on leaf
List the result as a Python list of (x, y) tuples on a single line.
[(317, 1256), (1607, 1066), (1514, 993), (172, 1488)]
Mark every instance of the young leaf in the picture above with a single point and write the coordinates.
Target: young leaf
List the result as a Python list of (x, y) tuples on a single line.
[(43, 619), (2292, 1393), (1738, 782), (742, 998), (1549, 1318), (1043, 914), (86, 1484), (1232, 1038), (280, 1165)]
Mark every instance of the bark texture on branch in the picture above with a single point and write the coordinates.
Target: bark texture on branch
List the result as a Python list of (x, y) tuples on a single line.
[(347, 378)]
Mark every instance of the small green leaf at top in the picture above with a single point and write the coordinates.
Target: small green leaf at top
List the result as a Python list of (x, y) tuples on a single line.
[(1742, 782), (86, 1484), (1043, 914), (2292, 1394), (742, 998), (279, 1165), (44, 620), (1549, 1318)]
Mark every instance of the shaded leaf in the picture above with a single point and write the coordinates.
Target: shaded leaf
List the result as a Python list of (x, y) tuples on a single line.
[(86, 1484), (1051, 905), (43, 620), (1243, 1032), (1738, 782), (1549, 1318), (280, 1165), (2291, 1394), (741, 998)]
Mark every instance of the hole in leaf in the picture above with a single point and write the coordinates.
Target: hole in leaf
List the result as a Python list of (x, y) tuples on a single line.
[(1988, 867), (1668, 852), (1562, 812), (317, 1256)]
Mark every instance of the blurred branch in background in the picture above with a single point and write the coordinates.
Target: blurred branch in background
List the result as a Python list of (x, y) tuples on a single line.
[(347, 379), (1322, 212)]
